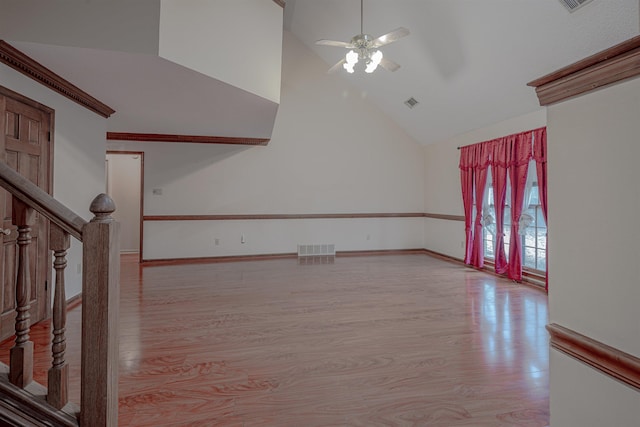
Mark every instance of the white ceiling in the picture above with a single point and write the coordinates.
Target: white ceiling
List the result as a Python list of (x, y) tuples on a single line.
[(466, 61)]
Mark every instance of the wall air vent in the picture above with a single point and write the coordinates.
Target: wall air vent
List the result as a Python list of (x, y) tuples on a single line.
[(572, 5), (411, 102)]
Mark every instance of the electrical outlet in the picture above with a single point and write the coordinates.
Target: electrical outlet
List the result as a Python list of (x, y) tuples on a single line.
[(242, 239), (157, 191), (216, 241)]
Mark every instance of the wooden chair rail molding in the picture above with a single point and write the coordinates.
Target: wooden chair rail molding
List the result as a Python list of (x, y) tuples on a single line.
[(609, 360), (234, 217), (100, 285), (31, 68), (278, 216), (612, 65)]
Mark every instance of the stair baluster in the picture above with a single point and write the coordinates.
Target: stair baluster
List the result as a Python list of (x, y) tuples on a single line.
[(21, 355), (58, 375)]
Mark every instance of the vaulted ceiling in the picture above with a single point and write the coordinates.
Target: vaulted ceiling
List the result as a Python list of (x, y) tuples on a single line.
[(466, 62)]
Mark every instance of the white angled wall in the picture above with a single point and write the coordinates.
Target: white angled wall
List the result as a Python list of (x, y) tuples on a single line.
[(443, 194), (331, 152), (238, 42), (594, 200), (121, 25), (79, 149)]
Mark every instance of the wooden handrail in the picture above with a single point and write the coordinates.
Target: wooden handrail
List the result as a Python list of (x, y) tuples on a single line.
[(100, 289), (41, 201)]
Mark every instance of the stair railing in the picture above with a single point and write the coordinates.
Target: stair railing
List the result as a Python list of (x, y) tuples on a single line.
[(100, 295)]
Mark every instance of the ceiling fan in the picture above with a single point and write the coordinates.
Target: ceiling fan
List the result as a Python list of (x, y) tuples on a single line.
[(364, 48)]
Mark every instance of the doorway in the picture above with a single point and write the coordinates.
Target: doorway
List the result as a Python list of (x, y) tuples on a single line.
[(26, 146), (124, 178)]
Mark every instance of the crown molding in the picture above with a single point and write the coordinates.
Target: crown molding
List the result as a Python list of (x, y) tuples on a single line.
[(31, 68), (612, 65)]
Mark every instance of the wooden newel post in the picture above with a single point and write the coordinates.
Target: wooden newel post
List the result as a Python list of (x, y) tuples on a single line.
[(100, 300), (21, 355)]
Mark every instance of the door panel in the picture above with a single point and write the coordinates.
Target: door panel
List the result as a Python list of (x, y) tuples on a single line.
[(25, 147)]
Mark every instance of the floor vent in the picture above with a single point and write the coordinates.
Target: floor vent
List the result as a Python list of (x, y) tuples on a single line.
[(316, 250), (572, 5)]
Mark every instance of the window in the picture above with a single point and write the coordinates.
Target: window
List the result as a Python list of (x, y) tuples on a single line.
[(533, 229)]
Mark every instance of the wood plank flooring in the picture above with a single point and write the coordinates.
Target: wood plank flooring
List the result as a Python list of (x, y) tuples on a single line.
[(405, 340)]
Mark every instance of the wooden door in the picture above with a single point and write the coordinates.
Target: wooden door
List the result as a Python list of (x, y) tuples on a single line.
[(25, 146)]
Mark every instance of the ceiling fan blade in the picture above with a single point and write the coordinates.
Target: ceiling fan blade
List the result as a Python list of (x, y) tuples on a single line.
[(389, 65), (391, 37), (337, 66), (334, 43)]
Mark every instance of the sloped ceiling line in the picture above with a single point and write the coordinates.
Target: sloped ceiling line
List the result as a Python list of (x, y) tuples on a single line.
[(31, 68)]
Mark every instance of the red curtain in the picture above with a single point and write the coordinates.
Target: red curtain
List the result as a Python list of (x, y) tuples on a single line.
[(499, 165), (519, 155), (540, 156), (466, 179), (481, 163)]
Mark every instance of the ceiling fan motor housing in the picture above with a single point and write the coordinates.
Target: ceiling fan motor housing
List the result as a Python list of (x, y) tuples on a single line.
[(363, 44)]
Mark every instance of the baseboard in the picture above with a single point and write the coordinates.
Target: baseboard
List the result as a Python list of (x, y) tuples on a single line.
[(529, 278), (262, 257), (207, 260), (379, 252), (74, 301)]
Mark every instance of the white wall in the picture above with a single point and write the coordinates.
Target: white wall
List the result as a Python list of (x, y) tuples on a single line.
[(594, 200), (79, 147), (331, 152), (443, 194), (238, 42)]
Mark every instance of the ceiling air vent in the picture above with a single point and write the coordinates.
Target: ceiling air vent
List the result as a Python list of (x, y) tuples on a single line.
[(572, 5), (411, 102)]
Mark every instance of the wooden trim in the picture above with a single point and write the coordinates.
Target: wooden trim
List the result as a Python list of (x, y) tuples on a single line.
[(445, 257), (31, 68), (193, 139), (207, 260), (32, 401), (609, 360), (74, 302), (612, 65), (262, 257), (280, 3), (443, 216), (379, 252), (141, 154), (277, 216), (38, 199)]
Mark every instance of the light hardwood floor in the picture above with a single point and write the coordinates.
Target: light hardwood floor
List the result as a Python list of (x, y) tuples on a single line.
[(401, 340)]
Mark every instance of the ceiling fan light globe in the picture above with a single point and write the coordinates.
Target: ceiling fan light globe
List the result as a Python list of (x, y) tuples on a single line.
[(371, 67), (376, 57), (348, 67), (351, 58)]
